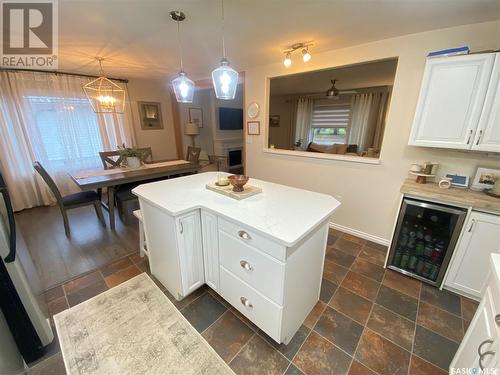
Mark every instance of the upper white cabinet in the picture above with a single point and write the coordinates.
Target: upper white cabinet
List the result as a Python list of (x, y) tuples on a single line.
[(469, 268), (452, 106), (488, 132)]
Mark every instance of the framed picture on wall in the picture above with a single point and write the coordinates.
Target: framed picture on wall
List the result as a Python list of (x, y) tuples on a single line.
[(150, 114), (253, 127), (196, 116), (274, 121)]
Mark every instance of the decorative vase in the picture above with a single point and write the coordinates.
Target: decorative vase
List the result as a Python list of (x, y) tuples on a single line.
[(133, 162)]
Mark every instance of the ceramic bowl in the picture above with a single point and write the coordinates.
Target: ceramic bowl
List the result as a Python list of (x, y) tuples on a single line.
[(238, 181)]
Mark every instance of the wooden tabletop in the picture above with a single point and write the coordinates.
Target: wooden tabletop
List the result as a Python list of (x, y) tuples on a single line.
[(125, 176), (464, 197)]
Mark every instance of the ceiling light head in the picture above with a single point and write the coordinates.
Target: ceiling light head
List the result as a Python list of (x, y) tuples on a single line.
[(224, 78), (183, 88), (306, 56), (288, 60)]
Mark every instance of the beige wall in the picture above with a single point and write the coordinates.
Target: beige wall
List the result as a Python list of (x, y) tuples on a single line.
[(369, 193), (162, 141)]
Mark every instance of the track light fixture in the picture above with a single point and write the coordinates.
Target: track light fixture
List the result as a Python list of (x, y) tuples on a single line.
[(304, 47)]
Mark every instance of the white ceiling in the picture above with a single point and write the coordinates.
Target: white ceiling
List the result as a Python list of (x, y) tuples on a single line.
[(138, 38)]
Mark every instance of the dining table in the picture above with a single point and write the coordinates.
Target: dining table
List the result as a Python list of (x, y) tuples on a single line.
[(113, 178)]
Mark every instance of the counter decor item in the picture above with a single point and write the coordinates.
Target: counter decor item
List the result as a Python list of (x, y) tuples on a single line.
[(222, 180), (485, 178), (238, 181), (458, 180), (495, 191), (445, 183), (427, 170)]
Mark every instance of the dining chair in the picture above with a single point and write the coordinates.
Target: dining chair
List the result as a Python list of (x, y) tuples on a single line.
[(193, 154), (110, 159), (68, 202)]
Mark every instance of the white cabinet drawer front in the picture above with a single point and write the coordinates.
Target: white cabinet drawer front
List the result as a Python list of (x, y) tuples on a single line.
[(257, 269), (261, 311), (250, 237)]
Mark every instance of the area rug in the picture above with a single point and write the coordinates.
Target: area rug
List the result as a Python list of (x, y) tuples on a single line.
[(133, 328)]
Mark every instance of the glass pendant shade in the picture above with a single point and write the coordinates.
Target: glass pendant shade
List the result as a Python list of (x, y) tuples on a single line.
[(105, 96), (225, 81), (183, 88)]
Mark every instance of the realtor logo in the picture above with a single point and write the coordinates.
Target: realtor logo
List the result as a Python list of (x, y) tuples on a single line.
[(29, 34)]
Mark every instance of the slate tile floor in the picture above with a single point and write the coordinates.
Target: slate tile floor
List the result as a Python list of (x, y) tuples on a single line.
[(368, 321)]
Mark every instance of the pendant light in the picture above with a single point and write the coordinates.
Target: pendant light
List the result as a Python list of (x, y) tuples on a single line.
[(224, 78), (183, 86), (104, 95)]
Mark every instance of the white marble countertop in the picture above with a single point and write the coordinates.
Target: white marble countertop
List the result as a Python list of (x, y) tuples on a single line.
[(284, 213)]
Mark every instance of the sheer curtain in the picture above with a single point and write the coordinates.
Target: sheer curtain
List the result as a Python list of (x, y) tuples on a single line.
[(303, 121), (46, 117), (367, 120)]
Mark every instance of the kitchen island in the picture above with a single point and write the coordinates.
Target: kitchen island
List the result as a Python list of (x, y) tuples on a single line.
[(264, 254)]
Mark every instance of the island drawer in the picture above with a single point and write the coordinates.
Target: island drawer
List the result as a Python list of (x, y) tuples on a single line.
[(250, 237), (257, 269), (260, 310)]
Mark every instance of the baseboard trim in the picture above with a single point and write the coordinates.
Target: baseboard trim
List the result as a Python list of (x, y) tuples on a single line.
[(358, 233)]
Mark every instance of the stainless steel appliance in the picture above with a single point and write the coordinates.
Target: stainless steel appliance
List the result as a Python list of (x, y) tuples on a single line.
[(424, 239), (23, 309)]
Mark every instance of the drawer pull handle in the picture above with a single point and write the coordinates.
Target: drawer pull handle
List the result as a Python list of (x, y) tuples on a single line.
[(485, 354), (244, 264), (480, 348), (245, 302), (470, 136), (244, 235), (472, 225)]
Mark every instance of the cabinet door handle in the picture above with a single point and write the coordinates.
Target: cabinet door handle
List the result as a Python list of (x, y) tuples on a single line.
[(244, 235), (481, 357), (245, 302), (479, 137), (244, 264), (479, 349), (473, 221), (181, 227), (470, 136), (497, 319)]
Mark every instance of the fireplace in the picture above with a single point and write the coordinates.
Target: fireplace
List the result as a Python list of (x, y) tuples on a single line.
[(234, 160)]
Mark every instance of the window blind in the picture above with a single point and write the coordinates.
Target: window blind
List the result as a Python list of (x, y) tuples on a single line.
[(326, 115)]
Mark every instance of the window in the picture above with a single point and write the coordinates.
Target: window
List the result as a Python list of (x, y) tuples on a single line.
[(330, 122), (75, 137)]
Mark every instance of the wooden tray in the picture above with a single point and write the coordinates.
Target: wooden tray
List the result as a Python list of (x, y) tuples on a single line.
[(228, 191)]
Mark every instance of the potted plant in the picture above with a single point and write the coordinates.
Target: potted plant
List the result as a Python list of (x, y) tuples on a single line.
[(131, 156)]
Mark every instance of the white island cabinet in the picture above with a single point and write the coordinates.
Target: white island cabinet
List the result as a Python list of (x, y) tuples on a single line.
[(480, 348), (264, 254)]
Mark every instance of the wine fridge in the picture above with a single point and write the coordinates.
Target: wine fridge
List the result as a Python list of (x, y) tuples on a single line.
[(424, 239)]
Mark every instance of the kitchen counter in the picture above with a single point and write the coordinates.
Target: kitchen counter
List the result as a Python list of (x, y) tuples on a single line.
[(477, 200), (284, 213), (264, 254)]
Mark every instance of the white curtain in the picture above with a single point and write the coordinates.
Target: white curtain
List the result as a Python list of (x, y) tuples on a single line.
[(303, 121), (46, 117), (367, 120)]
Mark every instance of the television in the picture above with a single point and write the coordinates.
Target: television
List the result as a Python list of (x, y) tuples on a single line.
[(230, 118)]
